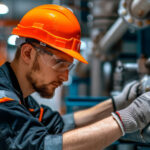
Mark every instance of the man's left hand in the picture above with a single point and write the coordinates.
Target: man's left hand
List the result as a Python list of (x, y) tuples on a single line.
[(130, 92)]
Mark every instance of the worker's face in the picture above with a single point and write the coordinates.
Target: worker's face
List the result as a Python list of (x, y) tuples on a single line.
[(43, 77)]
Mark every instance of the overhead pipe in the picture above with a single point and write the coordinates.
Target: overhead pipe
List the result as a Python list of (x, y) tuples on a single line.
[(113, 34), (128, 8), (140, 8)]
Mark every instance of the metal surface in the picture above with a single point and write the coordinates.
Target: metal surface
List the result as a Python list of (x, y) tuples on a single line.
[(132, 11), (103, 13), (140, 8), (96, 78), (113, 34), (135, 12), (123, 74)]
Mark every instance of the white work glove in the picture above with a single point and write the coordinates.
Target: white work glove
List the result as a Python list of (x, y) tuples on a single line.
[(130, 92), (136, 116)]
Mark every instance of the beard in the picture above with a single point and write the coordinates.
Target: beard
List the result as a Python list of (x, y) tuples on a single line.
[(44, 90)]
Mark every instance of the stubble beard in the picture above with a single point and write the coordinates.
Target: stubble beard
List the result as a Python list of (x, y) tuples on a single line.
[(43, 90)]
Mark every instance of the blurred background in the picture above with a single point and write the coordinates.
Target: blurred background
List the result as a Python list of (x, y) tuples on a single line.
[(115, 41)]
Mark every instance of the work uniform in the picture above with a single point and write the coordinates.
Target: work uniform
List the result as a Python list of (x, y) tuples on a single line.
[(24, 124)]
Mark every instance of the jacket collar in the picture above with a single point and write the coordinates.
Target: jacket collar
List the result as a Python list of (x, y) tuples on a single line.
[(12, 79)]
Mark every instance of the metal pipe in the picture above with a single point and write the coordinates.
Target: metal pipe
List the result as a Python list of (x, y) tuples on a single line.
[(113, 35), (140, 8), (120, 27), (96, 82)]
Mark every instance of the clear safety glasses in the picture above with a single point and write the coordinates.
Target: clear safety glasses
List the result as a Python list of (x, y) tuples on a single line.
[(54, 61)]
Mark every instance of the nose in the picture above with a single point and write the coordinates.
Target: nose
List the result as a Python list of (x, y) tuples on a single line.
[(64, 75)]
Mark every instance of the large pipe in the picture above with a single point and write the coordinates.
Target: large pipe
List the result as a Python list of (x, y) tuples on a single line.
[(114, 34), (140, 8), (119, 27)]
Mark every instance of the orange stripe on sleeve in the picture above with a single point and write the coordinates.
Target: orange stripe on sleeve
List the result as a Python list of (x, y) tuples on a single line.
[(5, 99), (31, 109), (41, 114)]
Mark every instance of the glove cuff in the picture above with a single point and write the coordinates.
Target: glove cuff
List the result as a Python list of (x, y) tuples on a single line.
[(119, 121), (113, 102)]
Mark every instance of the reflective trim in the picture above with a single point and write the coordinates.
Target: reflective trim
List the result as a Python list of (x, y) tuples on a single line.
[(119, 121), (31, 109), (9, 94), (41, 114), (5, 99)]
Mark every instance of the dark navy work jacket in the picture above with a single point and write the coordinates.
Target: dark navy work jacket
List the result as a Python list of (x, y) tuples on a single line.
[(24, 124)]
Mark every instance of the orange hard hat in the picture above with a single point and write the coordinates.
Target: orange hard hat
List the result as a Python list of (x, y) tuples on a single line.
[(53, 25)]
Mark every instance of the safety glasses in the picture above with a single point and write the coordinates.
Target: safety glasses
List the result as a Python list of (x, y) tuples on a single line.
[(53, 61)]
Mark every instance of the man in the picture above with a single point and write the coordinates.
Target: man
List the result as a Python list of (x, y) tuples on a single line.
[(49, 40)]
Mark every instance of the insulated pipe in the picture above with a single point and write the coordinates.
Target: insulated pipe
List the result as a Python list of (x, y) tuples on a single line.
[(140, 8), (114, 34)]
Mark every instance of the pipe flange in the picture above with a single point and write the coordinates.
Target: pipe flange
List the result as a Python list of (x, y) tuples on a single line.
[(126, 13)]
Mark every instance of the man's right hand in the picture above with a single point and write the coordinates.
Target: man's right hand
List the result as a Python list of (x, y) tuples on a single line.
[(136, 116)]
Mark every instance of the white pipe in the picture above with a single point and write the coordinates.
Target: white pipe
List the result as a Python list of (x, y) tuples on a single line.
[(140, 8), (114, 34)]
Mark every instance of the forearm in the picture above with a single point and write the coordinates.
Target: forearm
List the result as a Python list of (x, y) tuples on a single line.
[(92, 137), (93, 114)]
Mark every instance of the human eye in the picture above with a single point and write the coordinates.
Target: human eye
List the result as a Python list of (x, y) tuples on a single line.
[(60, 61)]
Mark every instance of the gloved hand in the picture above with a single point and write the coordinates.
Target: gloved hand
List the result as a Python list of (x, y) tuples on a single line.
[(136, 116), (130, 92)]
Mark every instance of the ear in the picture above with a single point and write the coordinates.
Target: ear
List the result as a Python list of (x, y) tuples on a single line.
[(27, 53)]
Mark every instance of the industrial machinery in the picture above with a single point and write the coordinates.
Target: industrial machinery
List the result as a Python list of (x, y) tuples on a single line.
[(134, 15)]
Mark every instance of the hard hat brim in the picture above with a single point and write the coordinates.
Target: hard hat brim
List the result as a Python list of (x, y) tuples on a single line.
[(72, 53)]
